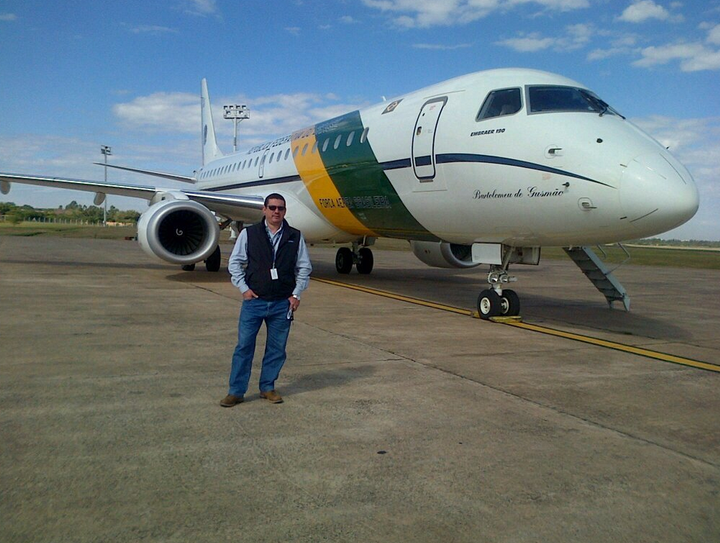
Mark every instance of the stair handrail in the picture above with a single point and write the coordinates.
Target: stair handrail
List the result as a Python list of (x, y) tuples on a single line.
[(627, 253)]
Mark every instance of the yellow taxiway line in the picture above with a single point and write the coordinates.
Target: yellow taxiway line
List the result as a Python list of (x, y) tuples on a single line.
[(517, 323)]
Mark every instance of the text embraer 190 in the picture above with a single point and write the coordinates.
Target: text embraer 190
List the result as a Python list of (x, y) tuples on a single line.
[(482, 169)]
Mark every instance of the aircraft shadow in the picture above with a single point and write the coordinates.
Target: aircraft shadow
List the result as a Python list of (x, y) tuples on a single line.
[(459, 289)]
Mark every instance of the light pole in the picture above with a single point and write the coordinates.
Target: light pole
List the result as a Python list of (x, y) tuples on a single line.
[(105, 150), (236, 113)]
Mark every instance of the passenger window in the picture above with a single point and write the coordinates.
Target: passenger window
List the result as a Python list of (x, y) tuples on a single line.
[(272, 155), (287, 153), (364, 134), (337, 141), (256, 160), (304, 149), (314, 147), (325, 145), (499, 103), (350, 138), (295, 152)]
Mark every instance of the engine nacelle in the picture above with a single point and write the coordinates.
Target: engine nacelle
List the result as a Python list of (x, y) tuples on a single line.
[(441, 254), (178, 231)]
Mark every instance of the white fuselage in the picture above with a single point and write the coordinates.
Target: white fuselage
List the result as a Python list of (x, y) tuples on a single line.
[(557, 176)]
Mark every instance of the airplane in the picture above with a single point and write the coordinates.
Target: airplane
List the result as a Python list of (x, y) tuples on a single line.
[(486, 168)]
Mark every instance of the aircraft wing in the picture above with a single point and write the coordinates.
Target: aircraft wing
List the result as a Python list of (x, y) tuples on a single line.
[(240, 208), (173, 176)]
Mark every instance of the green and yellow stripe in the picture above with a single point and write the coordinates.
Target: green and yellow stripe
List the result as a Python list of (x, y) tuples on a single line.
[(348, 184)]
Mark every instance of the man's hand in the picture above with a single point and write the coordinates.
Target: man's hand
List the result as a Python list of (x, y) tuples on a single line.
[(294, 303), (249, 294)]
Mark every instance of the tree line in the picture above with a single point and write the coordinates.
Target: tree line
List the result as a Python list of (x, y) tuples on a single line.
[(73, 212)]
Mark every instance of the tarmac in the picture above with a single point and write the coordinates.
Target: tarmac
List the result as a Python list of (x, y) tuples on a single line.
[(400, 422)]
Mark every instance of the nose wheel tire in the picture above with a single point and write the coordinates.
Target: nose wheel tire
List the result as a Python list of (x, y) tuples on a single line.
[(489, 304), (509, 304), (365, 260), (344, 260)]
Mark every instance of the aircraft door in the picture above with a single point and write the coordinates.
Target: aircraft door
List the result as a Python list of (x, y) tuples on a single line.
[(261, 166), (423, 143)]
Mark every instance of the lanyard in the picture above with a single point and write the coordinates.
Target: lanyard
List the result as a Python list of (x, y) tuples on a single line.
[(274, 241)]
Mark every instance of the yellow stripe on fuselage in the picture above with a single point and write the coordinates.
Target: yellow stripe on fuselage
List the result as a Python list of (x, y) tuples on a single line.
[(322, 190)]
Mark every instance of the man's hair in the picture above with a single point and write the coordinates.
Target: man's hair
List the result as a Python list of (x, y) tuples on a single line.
[(274, 196)]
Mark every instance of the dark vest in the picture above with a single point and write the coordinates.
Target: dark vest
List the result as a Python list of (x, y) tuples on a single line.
[(260, 261)]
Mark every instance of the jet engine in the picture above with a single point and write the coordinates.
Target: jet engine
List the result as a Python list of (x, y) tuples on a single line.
[(444, 255), (178, 231)]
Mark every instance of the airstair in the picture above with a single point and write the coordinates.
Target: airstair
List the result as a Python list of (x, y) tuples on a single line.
[(599, 274)]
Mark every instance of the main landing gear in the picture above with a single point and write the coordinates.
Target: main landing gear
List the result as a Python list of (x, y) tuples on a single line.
[(212, 263), (361, 257), (496, 301)]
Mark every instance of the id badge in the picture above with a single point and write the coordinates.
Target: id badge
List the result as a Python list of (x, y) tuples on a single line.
[(273, 274)]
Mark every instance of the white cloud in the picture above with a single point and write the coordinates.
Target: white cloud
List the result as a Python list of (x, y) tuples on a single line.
[(152, 29), (294, 30), (529, 44), (348, 20), (8, 17), (644, 10), (270, 116), (714, 35), (202, 8), (160, 112), (693, 57), (441, 47), (623, 45), (576, 37), (427, 13)]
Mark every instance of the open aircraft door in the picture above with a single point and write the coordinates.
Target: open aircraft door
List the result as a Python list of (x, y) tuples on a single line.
[(423, 144)]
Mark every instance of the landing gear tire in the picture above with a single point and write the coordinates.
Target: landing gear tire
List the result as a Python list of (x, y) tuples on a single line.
[(212, 264), (365, 261), (509, 304), (489, 304), (344, 260), (188, 267)]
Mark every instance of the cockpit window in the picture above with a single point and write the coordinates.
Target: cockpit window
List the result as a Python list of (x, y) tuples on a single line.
[(500, 102), (544, 99)]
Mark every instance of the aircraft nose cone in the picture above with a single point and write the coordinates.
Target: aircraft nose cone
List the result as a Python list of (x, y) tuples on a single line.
[(657, 194)]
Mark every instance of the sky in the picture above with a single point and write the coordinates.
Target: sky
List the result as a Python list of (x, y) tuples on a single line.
[(79, 74)]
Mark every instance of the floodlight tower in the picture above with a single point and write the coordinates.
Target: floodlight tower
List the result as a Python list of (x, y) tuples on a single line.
[(236, 113), (105, 150)]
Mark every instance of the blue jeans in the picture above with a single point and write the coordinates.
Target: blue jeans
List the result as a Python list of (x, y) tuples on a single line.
[(253, 313)]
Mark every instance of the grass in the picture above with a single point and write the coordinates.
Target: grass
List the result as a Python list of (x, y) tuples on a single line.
[(677, 257), (674, 257), (28, 229)]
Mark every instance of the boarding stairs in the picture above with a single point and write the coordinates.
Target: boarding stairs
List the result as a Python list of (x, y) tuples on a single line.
[(600, 274)]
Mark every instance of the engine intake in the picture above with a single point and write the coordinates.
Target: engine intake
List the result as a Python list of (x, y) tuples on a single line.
[(178, 231), (444, 255)]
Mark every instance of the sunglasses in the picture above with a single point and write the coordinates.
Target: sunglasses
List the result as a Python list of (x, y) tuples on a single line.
[(279, 208)]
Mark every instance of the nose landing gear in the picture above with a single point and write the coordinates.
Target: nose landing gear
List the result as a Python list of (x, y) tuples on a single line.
[(496, 301)]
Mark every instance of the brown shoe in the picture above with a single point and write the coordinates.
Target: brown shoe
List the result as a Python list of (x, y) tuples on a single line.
[(272, 396), (230, 400)]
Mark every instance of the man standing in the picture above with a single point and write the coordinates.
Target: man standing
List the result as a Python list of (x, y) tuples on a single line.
[(271, 267)]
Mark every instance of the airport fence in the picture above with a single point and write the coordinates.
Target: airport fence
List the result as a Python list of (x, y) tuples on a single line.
[(57, 220)]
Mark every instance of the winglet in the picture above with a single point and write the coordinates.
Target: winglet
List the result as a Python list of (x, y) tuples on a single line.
[(210, 149)]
